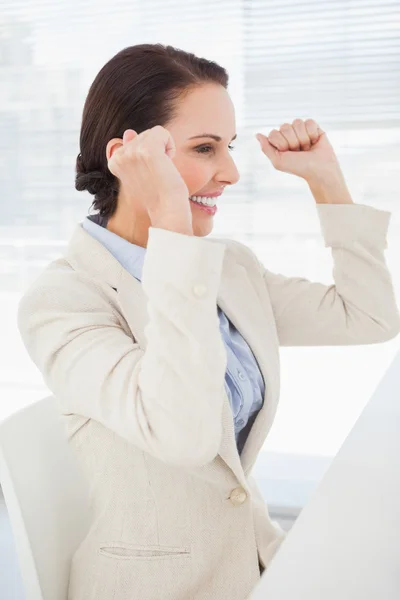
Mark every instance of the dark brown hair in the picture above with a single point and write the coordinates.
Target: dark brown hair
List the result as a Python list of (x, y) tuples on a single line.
[(136, 89)]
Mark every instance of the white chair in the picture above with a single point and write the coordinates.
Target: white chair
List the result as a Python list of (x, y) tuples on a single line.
[(45, 495)]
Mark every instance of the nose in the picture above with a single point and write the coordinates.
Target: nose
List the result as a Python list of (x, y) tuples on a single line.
[(228, 172)]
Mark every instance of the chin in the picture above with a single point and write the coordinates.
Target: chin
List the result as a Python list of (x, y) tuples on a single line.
[(202, 229)]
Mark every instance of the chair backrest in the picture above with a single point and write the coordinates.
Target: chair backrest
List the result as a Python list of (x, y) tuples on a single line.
[(46, 497)]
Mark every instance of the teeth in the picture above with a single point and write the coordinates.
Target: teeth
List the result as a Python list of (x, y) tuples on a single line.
[(203, 200)]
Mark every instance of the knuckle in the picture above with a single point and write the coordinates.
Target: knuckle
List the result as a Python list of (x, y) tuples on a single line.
[(298, 122), (285, 126), (127, 150), (143, 151)]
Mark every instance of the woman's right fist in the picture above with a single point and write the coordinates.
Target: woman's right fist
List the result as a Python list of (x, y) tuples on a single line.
[(144, 166)]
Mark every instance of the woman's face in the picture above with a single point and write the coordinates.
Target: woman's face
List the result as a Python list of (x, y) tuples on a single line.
[(206, 165)]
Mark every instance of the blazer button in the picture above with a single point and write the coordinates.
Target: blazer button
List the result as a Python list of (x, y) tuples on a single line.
[(238, 496), (199, 290)]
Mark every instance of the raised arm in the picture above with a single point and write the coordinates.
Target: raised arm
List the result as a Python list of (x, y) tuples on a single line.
[(360, 306), (166, 400)]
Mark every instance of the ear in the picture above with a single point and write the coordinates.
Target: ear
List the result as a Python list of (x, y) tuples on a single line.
[(112, 146)]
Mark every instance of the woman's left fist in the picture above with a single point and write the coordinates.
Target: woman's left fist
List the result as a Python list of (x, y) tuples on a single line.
[(302, 149)]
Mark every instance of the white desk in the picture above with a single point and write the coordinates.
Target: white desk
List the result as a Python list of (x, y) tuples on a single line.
[(345, 544)]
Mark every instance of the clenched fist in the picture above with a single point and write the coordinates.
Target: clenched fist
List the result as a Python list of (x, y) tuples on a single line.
[(144, 167), (301, 148)]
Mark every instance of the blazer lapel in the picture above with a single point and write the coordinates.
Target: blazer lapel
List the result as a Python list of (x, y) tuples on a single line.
[(239, 300)]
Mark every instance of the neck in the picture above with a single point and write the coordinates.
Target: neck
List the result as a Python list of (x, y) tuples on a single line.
[(130, 227)]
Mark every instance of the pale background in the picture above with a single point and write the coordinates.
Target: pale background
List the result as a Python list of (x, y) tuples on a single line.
[(334, 61)]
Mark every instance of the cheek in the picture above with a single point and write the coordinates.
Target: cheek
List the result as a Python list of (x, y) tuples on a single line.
[(195, 171), (197, 174)]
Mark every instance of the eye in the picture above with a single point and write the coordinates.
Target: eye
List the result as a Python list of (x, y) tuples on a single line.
[(200, 149)]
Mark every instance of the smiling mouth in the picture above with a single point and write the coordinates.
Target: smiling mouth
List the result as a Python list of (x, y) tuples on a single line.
[(195, 198), (211, 210)]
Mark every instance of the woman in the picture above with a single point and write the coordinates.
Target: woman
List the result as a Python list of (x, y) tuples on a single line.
[(162, 348)]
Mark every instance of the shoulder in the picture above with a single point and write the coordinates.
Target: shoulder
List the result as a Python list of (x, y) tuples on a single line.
[(61, 287)]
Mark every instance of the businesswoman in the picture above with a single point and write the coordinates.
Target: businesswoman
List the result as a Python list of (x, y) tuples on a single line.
[(161, 346)]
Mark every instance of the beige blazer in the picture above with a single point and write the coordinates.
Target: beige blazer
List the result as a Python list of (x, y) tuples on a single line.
[(138, 371)]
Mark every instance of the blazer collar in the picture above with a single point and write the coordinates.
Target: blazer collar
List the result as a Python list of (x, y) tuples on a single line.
[(237, 296)]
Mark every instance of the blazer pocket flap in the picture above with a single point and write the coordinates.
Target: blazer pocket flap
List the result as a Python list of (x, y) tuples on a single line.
[(126, 550)]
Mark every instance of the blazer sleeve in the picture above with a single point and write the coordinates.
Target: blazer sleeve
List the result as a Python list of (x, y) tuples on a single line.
[(166, 400), (360, 306)]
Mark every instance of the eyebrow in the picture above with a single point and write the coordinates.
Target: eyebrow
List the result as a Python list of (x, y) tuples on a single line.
[(217, 138)]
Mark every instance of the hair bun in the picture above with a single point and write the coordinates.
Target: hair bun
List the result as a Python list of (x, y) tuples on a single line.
[(95, 182)]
